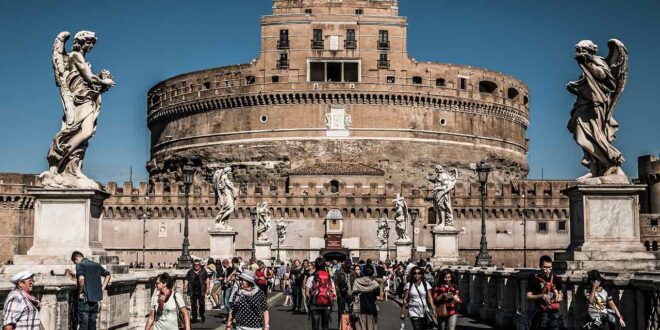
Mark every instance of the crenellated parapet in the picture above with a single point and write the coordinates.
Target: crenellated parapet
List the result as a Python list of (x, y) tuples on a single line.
[(648, 169)]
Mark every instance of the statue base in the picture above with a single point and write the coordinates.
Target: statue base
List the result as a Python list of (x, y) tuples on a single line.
[(222, 244), (263, 252), (445, 246), (382, 254), (403, 250), (65, 220), (605, 230)]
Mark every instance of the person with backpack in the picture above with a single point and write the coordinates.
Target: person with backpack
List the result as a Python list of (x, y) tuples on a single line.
[(417, 301), (168, 308), (545, 290), (345, 281), (364, 311), (321, 292), (602, 312)]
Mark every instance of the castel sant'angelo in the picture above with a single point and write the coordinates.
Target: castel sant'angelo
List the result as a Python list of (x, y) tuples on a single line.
[(334, 113)]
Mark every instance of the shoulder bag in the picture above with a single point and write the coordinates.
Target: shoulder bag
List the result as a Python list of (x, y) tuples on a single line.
[(181, 321), (428, 313)]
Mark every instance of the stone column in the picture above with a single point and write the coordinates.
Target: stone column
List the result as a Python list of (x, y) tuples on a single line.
[(222, 245), (605, 229), (403, 250), (263, 252), (445, 246), (476, 292)]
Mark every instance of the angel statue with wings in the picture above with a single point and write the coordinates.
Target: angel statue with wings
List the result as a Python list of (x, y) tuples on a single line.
[(281, 226), (383, 232), (442, 184), (225, 195), (263, 222), (592, 124), (80, 93), (400, 217)]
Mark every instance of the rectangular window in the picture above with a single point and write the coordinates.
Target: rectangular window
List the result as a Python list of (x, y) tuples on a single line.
[(383, 39), (391, 79), (308, 11), (350, 42), (462, 83), (350, 34), (359, 12), (283, 62), (317, 71), (275, 79), (542, 226), (334, 71), (351, 72), (283, 42), (317, 39), (383, 62), (654, 222), (561, 226)]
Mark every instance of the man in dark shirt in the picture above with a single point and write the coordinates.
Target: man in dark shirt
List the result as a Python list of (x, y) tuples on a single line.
[(545, 290), (197, 284), (90, 289)]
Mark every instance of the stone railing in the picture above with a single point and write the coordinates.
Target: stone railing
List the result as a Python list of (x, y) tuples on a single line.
[(125, 304), (498, 296)]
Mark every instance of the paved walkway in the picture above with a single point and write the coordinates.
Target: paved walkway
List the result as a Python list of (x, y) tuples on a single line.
[(283, 319)]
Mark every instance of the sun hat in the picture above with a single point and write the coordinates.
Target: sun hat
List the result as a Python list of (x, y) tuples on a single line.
[(247, 275), (23, 275)]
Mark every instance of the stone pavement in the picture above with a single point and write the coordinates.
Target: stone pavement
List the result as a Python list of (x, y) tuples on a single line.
[(282, 318)]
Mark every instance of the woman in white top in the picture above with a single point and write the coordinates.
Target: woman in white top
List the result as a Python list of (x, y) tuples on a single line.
[(417, 300), (166, 305)]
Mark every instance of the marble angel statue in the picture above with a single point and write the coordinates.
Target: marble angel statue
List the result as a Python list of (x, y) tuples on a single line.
[(225, 195), (80, 94), (281, 226), (383, 232), (400, 217), (442, 184), (592, 123), (263, 222)]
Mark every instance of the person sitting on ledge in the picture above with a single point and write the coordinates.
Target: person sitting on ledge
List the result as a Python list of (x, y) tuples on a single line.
[(545, 289)]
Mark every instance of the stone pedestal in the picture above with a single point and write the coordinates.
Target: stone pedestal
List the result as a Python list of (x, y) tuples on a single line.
[(403, 250), (605, 230), (445, 246), (382, 254), (65, 220), (262, 251), (222, 245)]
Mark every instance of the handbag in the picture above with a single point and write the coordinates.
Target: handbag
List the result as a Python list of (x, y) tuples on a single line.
[(181, 321), (441, 310), (428, 313)]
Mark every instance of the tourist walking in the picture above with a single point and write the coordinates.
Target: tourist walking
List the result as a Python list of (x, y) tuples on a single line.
[(21, 309), (446, 297), (345, 281), (197, 285), (545, 290), (231, 283), (400, 280), (216, 283), (262, 277), (285, 284), (417, 300), (297, 276), (428, 274), (366, 292), (602, 312), (321, 292), (92, 279), (168, 308), (249, 308)]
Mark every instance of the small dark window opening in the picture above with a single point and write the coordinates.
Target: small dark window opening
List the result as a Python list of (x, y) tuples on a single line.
[(283, 42), (275, 79), (250, 80), (316, 71), (317, 39), (439, 82), (351, 72), (432, 219), (283, 62), (350, 42), (486, 86), (359, 12), (647, 245), (308, 11), (654, 222), (383, 39), (334, 71), (334, 186), (512, 93), (525, 100), (391, 79), (383, 62), (561, 226), (417, 80), (462, 83), (207, 85), (542, 227), (654, 246)]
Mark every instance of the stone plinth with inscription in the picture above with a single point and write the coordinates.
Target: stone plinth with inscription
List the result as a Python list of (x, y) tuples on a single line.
[(222, 245), (605, 229), (403, 250), (263, 252), (445, 246)]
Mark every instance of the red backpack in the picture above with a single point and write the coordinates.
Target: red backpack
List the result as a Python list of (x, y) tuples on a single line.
[(322, 294), (548, 287)]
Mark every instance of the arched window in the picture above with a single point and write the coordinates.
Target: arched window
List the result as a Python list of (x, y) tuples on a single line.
[(440, 82), (417, 80), (334, 186), (486, 86), (512, 93)]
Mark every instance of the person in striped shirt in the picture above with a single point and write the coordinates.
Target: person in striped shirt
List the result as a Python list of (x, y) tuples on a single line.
[(21, 309)]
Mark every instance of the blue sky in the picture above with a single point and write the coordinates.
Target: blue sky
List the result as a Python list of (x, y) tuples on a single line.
[(143, 42)]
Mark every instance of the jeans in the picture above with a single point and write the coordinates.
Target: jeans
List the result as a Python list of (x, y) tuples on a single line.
[(447, 323), (87, 313), (547, 321), (320, 319), (419, 323), (342, 305), (297, 298), (197, 301)]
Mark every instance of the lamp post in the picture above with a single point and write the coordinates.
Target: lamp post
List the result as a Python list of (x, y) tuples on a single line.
[(387, 242), (524, 230), (413, 219), (483, 258), (185, 261), (253, 217)]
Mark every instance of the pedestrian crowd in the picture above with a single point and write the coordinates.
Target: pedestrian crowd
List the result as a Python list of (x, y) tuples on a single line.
[(322, 289)]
